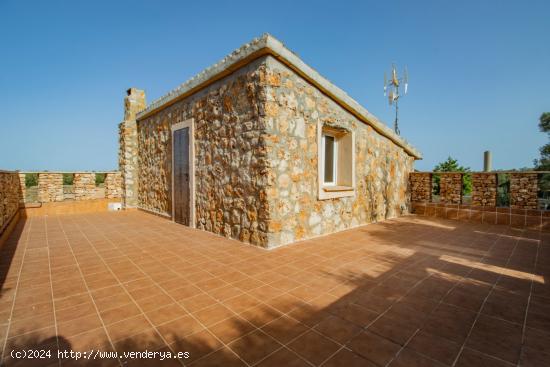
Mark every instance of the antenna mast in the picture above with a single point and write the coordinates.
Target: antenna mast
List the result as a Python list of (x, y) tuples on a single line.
[(391, 90)]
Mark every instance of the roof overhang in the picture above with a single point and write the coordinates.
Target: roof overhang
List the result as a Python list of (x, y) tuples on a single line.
[(268, 45)]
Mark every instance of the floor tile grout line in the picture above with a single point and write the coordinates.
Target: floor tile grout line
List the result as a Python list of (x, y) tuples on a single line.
[(478, 314), (365, 328), (88, 289), (531, 288), (26, 241), (308, 328), (51, 288), (238, 315), (217, 275), (440, 303), (127, 293), (224, 344), (154, 326)]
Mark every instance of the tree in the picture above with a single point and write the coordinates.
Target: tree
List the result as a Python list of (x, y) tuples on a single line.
[(543, 163), (451, 165)]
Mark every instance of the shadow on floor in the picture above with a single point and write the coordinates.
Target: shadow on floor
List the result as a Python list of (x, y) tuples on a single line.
[(430, 294)]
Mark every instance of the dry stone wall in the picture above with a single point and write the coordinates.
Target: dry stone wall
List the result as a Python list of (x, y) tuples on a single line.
[(23, 188), (50, 187), (450, 185), (113, 185), (230, 156), (84, 186), (523, 190), (484, 189), (294, 109), (421, 186), (10, 194)]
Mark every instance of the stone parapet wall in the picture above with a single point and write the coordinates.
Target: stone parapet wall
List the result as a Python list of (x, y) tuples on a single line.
[(523, 190), (484, 189), (450, 187), (113, 185), (84, 186), (50, 187), (10, 194), (523, 211), (421, 186), (22, 187)]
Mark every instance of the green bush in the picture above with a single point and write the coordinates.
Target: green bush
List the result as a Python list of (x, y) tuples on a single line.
[(503, 189), (451, 165), (68, 179), (31, 179), (99, 178)]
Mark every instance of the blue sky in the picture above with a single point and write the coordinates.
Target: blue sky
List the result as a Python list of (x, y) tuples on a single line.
[(479, 70)]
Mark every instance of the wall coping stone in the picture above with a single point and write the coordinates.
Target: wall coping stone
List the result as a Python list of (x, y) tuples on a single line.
[(269, 45)]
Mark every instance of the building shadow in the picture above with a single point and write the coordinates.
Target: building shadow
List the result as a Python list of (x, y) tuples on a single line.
[(406, 279)]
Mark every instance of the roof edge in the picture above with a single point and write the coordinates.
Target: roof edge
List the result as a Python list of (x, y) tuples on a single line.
[(269, 45)]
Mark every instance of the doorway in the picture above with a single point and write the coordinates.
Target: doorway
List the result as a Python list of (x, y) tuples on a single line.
[(181, 176)]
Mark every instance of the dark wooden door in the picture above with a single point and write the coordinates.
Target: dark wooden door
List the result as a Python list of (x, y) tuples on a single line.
[(181, 176)]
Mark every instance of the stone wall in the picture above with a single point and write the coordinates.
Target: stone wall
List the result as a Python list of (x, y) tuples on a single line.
[(23, 188), (50, 187), (230, 156), (293, 112), (128, 146), (523, 190), (255, 143), (113, 185), (84, 186), (450, 187), (10, 194), (421, 186), (522, 213), (484, 189)]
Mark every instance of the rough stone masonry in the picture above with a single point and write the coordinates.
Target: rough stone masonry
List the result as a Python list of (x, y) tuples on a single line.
[(256, 117)]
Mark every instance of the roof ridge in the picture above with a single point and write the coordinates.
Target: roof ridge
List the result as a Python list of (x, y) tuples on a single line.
[(268, 44)]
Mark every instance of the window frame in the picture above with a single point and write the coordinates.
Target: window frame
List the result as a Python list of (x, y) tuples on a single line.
[(334, 158), (343, 186)]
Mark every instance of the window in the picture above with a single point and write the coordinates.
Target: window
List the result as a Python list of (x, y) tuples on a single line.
[(336, 162), (330, 159)]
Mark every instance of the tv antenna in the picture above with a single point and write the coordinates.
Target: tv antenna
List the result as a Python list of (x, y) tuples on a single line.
[(391, 90)]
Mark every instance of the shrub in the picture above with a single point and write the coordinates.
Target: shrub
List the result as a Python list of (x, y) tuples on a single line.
[(68, 178), (99, 178), (31, 179)]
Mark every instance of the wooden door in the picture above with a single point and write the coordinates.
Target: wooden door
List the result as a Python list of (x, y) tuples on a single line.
[(181, 176)]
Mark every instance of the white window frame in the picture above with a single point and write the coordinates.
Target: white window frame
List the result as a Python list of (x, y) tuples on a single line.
[(334, 190), (334, 159)]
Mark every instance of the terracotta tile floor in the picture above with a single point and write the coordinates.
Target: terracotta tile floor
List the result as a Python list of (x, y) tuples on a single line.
[(406, 292)]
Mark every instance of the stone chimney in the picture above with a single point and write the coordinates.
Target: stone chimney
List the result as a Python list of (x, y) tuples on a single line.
[(128, 149)]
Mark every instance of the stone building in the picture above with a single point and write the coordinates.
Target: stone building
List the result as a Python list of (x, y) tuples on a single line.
[(261, 148)]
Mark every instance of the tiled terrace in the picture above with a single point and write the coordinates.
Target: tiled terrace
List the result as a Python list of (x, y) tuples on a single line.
[(406, 292)]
